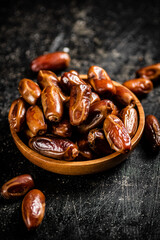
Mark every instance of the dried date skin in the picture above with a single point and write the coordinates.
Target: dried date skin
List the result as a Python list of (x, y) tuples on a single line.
[(52, 104), (29, 90), (116, 134), (100, 80), (152, 132), (139, 86), (58, 148), (17, 186), (51, 61), (33, 209), (94, 97), (98, 142), (85, 152), (129, 117), (35, 120), (79, 104), (62, 129), (97, 113), (151, 72), (123, 96), (17, 113)]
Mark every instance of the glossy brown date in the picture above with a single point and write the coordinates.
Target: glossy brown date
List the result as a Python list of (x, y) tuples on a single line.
[(29, 90), (28, 133), (17, 113), (52, 104), (54, 147), (98, 142), (151, 72), (116, 134), (85, 152), (51, 61), (100, 80), (17, 186), (62, 129), (94, 97), (129, 117), (139, 86), (33, 209), (152, 132), (35, 120), (123, 96), (79, 104)]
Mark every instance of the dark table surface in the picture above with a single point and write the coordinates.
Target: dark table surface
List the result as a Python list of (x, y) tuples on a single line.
[(123, 203)]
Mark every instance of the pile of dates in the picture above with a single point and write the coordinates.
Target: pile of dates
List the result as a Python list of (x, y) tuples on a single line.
[(71, 118)]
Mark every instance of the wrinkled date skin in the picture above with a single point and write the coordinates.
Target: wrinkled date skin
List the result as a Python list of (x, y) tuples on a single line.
[(47, 78), (123, 96), (98, 142), (17, 113), (94, 97), (100, 80), (51, 61), (28, 133), (33, 209), (85, 152), (54, 147), (129, 117), (97, 113), (139, 86), (70, 79), (29, 90), (116, 134), (152, 132), (151, 72), (35, 120), (79, 104), (52, 104), (62, 129), (17, 187)]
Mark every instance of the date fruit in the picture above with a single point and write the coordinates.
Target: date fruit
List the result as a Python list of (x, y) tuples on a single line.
[(116, 134), (17, 113), (33, 209), (94, 97), (85, 152), (124, 97), (151, 72), (35, 120), (100, 80), (62, 129), (29, 90), (51, 61), (79, 104), (152, 132), (139, 86), (52, 103), (17, 186), (54, 147)]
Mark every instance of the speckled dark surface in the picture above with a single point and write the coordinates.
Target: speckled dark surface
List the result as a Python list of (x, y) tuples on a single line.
[(123, 203)]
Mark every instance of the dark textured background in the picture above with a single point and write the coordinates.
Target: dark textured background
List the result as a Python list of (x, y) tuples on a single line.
[(123, 203)]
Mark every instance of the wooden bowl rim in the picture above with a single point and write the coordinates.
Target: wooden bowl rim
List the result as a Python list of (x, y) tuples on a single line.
[(39, 159)]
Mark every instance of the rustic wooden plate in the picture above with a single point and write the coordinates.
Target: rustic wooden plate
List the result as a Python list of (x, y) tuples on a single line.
[(81, 167)]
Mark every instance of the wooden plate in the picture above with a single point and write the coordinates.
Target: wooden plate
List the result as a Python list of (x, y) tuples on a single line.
[(81, 167)]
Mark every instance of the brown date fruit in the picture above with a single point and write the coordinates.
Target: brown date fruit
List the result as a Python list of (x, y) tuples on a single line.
[(152, 132), (129, 117), (123, 96), (139, 86), (116, 134), (28, 133), (85, 152), (17, 113), (51, 61), (151, 72), (97, 113), (29, 90), (100, 80), (47, 78), (94, 97), (62, 129), (70, 79), (17, 186), (52, 103), (98, 142), (35, 120), (79, 104), (33, 209), (54, 147)]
